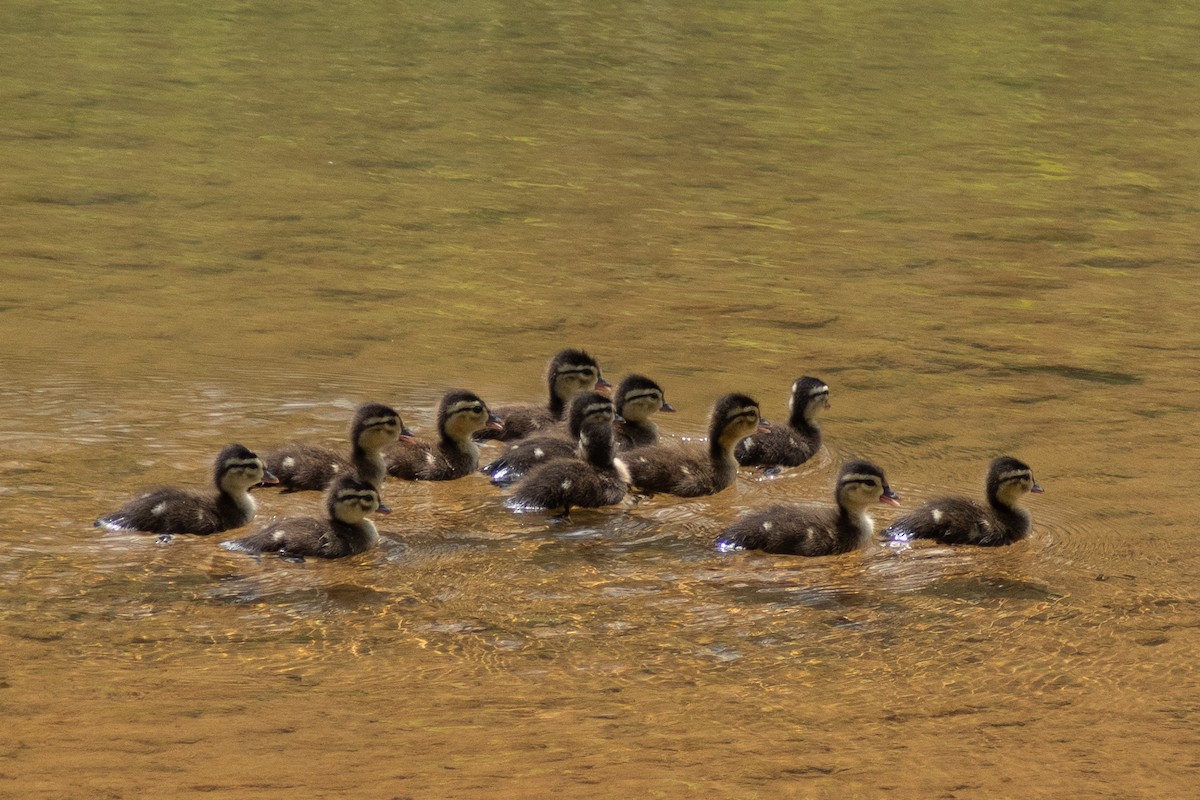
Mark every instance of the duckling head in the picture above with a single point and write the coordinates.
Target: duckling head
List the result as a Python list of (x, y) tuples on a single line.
[(238, 468), (588, 407), (637, 398), (461, 413), (860, 485), (375, 426), (572, 371), (808, 400), (596, 442), (1009, 480), (350, 500), (734, 417)]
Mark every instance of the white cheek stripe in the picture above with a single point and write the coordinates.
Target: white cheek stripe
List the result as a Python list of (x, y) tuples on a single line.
[(373, 422), (1016, 474)]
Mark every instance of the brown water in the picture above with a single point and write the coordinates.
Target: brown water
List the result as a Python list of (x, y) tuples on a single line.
[(237, 222)]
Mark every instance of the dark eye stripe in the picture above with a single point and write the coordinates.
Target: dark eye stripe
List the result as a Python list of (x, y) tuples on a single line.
[(353, 494), (869, 480)]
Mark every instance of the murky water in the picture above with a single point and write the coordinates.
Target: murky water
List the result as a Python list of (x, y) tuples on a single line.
[(238, 221)]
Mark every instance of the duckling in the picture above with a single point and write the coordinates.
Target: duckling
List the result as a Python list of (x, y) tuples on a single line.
[(796, 443), (688, 473), (304, 466), (957, 520), (637, 399), (806, 531), (460, 414), (170, 510), (570, 372), (566, 483), (346, 532), (527, 453)]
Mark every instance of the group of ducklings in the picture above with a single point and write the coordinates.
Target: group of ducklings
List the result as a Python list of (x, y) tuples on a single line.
[(584, 449)]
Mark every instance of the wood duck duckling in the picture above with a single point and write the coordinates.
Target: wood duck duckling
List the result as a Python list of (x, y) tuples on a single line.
[(810, 531), (637, 399), (170, 510), (693, 473), (566, 483), (957, 520), (460, 415), (346, 531), (524, 454), (570, 372), (302, 466), (799, 440)]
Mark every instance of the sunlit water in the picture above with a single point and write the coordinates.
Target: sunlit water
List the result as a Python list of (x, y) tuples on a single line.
[(237, 222)]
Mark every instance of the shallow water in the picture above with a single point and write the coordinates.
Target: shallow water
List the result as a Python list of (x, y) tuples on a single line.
[(238, 222)]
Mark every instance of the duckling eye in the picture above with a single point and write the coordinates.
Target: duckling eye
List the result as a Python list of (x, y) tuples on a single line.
[(477, 409)]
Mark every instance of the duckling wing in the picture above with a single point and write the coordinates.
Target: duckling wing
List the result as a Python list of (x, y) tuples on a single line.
[(412, 461), (302, 536), (301, 467), (777, 447), (670, 468), (166, 510), (568, 483), (421, 461), (952, 520), (790, 530), (527, 453), (630, 435), (519, 421)]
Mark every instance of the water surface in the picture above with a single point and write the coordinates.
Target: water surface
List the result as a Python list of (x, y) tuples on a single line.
[(238, 221)]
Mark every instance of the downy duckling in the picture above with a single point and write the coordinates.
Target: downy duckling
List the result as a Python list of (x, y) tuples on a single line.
[(346, 532), (808, 531), (170, 510), (691, 473), (570, 372), (527, 453), (308, 467), (957, 520), (566, 483), (637, 399), (791, 445), (460, 415)]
